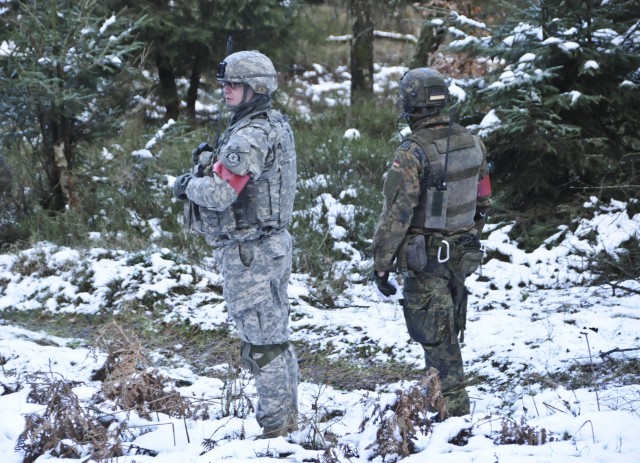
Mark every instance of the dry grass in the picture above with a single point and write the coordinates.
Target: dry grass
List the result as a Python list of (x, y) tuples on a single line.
[(65, 429), (131, 383), (401, 423)]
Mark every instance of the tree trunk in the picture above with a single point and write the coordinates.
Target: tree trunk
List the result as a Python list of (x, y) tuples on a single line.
[(361, 62), (53, 197), (6, 180), (57, 152), (430, 39), (67, 185), (194, 82), (168, 88)]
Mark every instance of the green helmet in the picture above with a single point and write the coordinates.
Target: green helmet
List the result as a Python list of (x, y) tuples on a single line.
[(251, 68), (422, 88)]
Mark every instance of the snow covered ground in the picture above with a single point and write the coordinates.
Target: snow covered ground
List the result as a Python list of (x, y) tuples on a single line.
[(532, 318)]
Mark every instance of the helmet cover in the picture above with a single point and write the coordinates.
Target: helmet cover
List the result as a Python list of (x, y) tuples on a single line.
[(251, 68), (422, 88)]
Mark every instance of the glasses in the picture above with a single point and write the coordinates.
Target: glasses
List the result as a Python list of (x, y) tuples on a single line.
[(233, 85)]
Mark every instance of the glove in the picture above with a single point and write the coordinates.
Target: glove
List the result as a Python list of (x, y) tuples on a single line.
[(205, 159), (388, 290), (180, 186), (202, 147)]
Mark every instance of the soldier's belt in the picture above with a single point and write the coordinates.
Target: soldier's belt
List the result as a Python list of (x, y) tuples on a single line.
[(420, 248)]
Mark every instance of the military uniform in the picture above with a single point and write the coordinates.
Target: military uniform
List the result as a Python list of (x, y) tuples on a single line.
[(434, 254), (245, 203)]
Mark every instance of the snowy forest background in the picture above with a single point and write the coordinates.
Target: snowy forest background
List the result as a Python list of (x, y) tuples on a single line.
[(103, 102)]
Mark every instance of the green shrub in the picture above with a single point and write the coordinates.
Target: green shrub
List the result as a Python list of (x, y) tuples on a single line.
[(339, 185)]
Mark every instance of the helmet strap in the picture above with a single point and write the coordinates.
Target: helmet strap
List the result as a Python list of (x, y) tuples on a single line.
[(245, 92)]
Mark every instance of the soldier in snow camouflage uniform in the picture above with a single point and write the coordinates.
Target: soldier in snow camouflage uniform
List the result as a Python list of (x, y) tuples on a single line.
[(241, 196), (436, 195)]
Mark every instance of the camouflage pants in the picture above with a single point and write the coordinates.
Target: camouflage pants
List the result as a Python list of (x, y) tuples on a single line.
[(434, 302), (256, 276)]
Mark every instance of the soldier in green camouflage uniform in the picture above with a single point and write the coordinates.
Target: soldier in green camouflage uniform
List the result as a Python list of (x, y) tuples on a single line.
[(240, 196), (436, 195)]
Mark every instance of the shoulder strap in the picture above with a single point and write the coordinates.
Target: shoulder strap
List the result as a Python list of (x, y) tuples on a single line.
[(432, 170)]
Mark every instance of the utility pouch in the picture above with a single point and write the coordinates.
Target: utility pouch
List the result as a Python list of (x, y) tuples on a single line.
[(436, 208), (416, 253), (470, 254), (192, 219)]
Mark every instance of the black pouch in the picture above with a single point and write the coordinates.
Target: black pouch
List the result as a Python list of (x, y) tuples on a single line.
[(470, 256), (416, 253)]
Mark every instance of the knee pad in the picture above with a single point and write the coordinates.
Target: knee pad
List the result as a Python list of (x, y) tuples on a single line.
[(256, 357)]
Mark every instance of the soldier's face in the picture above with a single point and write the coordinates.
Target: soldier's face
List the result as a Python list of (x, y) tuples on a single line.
[(235, 96)]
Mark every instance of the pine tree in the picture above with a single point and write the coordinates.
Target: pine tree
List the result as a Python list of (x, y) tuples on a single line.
[(63, 82), (187, 40), (566, 90)]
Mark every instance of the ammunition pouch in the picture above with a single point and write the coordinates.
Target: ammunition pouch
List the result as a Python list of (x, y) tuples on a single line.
[(256, 357), (468, 255), (192, 218), (415, 252)]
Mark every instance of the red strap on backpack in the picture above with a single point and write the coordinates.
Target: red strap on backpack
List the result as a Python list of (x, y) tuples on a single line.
[(237, 182)]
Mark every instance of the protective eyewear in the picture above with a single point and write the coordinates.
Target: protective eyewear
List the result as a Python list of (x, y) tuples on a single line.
[(233, 85)]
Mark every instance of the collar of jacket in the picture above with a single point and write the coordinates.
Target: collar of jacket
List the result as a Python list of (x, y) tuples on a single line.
[(426, 122), (261, 103)]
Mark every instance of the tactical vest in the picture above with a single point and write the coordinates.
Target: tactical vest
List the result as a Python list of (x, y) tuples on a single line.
[(453, 208), (266, 202)]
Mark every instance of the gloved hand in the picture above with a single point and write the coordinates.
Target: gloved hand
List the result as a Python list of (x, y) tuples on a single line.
[(180, 186), (388, 290), (202, 147)]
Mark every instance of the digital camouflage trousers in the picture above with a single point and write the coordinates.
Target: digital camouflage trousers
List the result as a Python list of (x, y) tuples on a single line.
[(256, 276)]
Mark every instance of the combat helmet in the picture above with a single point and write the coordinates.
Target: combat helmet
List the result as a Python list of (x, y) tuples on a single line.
[(251, 68), (423, 90)]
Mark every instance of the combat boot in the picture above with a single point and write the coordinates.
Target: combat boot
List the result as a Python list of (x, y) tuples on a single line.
[(283, 431)]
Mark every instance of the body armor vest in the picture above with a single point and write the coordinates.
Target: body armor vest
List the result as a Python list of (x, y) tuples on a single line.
[(447, 199), (266, 202)]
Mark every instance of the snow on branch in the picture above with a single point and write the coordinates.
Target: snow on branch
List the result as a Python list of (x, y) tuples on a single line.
[(381, 34)]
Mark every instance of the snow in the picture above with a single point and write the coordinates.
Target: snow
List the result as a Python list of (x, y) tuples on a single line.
[(591, 64), (569, 46), (468, 21), (159, 135), (487, 125), (319, 85), (527, 57), (574, 95), (351, 134), (457, 92), (144, 154), (531, 315), (383, 34), (107, 23)]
